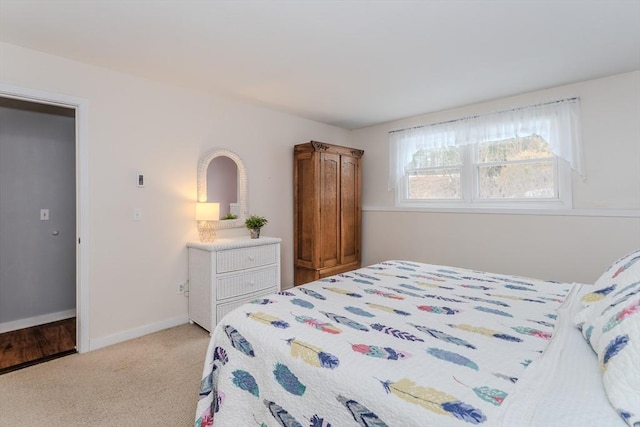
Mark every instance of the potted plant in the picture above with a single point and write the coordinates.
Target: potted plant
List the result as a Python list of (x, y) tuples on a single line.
[(254, 223)]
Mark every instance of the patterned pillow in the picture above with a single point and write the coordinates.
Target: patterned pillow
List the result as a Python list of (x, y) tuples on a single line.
[(610, 321), (620, 281), (628, 265), (618, 351), (590, 317)]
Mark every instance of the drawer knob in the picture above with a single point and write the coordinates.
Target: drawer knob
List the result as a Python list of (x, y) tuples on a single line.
[(252, 258)]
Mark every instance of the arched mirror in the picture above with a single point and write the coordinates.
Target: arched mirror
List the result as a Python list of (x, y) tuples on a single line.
[(222, 178)]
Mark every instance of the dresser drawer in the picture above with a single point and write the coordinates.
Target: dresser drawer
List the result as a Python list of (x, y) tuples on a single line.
[(243, 258), (246, 282)]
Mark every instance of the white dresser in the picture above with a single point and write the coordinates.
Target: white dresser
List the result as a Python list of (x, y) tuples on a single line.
[(228, 273)]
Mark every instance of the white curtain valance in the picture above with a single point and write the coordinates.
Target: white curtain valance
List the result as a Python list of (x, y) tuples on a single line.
[(557, 122)]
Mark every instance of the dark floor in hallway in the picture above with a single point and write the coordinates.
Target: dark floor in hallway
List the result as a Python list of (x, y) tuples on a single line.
[(28, 346)]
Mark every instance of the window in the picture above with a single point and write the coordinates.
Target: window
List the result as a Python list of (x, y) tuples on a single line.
[(434, 174), (501, 162), (518, 168)]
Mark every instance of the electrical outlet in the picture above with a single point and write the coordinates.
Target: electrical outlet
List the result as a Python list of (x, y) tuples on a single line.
[(182, 287)]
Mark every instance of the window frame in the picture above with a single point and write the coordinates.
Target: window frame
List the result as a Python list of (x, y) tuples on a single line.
[(469, 183)]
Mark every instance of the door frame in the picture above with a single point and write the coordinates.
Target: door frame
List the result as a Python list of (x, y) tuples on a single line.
[(82, 196)]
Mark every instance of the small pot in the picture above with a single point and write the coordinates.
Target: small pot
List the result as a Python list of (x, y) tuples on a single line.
[(255, 233)]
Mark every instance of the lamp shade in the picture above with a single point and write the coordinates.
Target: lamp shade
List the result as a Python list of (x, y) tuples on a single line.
[(207, 211)]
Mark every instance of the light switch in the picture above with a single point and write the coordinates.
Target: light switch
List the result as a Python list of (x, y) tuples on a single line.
[(44, 214), (137, 214)]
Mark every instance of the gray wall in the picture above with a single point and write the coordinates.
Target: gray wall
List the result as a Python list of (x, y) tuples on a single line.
[(37, 170)]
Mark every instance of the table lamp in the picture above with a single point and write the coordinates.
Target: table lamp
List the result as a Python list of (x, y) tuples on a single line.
[(206, 213)]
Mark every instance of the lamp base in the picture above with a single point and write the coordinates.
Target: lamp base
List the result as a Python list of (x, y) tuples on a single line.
[(206, 231)]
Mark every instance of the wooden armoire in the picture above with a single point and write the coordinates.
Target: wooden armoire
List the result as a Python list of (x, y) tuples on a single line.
[(327, 210)]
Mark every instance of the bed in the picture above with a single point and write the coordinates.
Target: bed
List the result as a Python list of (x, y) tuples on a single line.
[(402, 343)]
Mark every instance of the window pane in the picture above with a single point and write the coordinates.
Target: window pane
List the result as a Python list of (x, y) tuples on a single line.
[(434, 184), (436, 157), (521, 180), (530, 147)]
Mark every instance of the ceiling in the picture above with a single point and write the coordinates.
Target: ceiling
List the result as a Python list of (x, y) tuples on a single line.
[(347, 63)]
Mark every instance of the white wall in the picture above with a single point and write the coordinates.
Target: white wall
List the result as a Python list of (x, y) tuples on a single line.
[(135, 125), (569, 248)]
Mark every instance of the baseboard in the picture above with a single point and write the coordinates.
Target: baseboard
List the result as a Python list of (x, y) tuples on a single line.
[(36, 320), (97, 343), (36, 361)]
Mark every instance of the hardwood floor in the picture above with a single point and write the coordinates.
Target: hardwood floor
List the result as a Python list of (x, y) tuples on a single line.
[(29, 346)]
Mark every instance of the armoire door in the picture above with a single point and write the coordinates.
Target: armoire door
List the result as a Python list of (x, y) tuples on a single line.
[(306, 172), (329, 235), (349, 210)]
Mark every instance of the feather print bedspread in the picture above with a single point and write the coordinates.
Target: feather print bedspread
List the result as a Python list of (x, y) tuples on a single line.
[(393, 344)]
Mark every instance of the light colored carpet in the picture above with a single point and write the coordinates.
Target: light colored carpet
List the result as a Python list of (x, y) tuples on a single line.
[(152, 380)]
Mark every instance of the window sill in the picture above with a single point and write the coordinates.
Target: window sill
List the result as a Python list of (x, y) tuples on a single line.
[(618, 213)]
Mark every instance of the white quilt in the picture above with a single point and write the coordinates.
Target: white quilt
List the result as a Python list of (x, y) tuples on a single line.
[(394, 344)]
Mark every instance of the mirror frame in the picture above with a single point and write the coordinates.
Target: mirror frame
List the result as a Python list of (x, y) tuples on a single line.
[(203, 165)]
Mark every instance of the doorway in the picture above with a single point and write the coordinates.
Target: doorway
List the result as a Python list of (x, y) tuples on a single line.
[(38, 231)]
